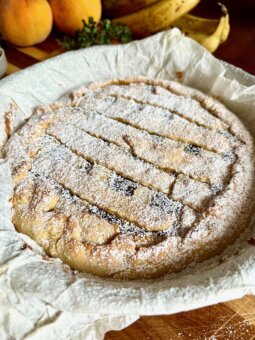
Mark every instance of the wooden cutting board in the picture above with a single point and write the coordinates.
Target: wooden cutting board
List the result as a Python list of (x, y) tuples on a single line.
[(234, 320), (225, 321)]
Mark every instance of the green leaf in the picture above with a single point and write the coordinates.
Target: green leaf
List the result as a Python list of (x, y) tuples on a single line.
[(93, 33)]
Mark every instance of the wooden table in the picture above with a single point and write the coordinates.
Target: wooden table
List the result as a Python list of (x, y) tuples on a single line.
[(230, 320)]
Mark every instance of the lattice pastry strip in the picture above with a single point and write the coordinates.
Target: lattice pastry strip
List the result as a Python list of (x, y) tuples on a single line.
[(175, 156), (111, 156), (156, 95), (195, 194), (156, 120), (186, 190), (187, 159), (104, 188)]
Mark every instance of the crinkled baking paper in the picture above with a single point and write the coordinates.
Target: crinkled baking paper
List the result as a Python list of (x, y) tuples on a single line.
[(42, 299)]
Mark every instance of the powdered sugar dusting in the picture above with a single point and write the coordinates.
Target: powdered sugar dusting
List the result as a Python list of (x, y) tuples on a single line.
[(155, 120), (118, 181), (187, 107)]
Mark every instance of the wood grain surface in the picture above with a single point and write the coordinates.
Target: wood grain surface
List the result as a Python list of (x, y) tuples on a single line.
[(224, 321)]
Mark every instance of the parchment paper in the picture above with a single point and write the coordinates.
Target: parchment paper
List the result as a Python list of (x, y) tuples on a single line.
[(41, 298)]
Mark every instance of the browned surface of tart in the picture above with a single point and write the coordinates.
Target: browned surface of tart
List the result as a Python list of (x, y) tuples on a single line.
[(133, 178)]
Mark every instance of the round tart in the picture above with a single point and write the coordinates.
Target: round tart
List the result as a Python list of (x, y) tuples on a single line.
[(132, 178)]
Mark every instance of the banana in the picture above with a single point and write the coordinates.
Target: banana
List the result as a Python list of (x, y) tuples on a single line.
[(156, 17), (117, 8), (208, 32)]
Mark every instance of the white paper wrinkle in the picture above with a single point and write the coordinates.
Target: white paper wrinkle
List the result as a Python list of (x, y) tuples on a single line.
[(41, 298)]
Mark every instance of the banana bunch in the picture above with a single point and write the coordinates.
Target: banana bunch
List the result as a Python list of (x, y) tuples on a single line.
[(145, 17), (119, 8), (208, 32), (156, 17)]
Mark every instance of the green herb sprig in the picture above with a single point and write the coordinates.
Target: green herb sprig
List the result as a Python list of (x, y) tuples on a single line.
[(96, 33)]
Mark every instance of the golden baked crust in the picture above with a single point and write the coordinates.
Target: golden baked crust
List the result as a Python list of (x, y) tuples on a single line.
[(132, 178)]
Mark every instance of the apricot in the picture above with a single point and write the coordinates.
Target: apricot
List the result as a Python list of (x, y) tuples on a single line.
[(68, 14), (25, 22)]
